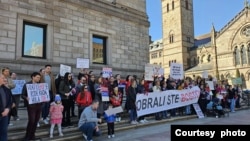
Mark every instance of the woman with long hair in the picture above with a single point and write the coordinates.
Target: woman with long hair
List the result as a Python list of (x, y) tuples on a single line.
[(66, 89)]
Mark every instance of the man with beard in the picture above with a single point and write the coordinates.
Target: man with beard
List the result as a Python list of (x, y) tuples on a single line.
[(88, 121)]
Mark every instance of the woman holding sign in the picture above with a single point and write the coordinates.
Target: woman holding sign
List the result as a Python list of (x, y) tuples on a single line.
[(34, 110), (66, 89)]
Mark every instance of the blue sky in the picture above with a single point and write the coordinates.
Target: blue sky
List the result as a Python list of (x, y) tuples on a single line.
[(32, 34), (206, 13)]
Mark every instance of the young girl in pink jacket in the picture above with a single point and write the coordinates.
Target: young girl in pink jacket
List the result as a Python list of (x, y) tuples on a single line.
[(56, 109)]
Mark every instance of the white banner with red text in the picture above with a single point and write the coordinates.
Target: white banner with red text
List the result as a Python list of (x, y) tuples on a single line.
[(159, 101)]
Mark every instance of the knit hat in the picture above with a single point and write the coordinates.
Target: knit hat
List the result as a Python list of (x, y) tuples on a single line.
[(57, 98)]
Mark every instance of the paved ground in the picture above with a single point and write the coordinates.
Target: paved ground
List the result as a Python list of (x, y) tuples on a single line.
[(162, 132)]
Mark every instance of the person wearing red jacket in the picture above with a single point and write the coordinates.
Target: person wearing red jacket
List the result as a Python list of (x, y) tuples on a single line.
[(83, 99)]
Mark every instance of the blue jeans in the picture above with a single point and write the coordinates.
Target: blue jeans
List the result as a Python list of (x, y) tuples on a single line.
[(45, 110), (132, 114), (232, 104), (3, 128), (89, 130)]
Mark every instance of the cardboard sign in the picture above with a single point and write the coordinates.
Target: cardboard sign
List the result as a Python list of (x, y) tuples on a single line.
[(64, 69), (237, 81), (210, 84), (82, 63), (38, 93), (205, 74), (176, 71), (153, 70), (105, 94), (19, 86), (106, 72), (114, 111), (198, 110)]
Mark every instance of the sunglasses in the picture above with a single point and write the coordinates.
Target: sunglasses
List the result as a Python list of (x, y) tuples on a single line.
[(86, 88)]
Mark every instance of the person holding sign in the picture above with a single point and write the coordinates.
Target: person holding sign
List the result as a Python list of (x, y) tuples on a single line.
[(110, 119), (34, 110)]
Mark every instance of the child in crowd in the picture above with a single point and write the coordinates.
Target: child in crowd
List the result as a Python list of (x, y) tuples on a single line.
[(56, 109), (110, 123)]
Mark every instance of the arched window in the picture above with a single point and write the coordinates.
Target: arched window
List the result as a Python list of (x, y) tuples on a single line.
[(167, 7), (172, 5), (209, 58), (198, 59), (186, 4), (171, 37), (243, 55), (237, 56), (194, 62), (202, 59)]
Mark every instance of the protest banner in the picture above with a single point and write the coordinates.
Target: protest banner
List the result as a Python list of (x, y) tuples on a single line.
[(198, 110), (19, 86), (176, 71), (38, 93), (106, 72), (210, 84), (105, 94), (152, 70), (165, 100), (64, 69), (205, 74), (82, 63), (236, 81), (114, 110)]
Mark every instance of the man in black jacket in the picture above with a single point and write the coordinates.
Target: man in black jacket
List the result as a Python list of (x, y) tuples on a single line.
[(5, 105), (34, 110)]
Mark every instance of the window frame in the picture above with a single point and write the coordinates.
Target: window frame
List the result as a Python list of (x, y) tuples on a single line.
[(44, 27), (104, 49)]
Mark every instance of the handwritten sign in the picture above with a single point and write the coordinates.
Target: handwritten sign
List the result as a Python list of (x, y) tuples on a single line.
[(105, 94), (153, 70), (114, 111), (64, 69), (38, 93), (106, 72), (19, 86), (237, 81), (176, 71), (205, 74), (198, 110), (82, 63)]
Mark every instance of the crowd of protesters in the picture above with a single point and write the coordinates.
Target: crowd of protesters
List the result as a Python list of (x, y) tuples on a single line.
[(85, 93)]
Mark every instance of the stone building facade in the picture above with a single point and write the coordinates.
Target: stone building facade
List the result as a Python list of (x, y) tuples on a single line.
[(221, 53), (38, 32), (155, 53)]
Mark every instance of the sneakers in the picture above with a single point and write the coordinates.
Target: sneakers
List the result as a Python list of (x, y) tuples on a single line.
[(109, 136), (142, 121), (85, 137), (51, 136), (38, 124), (10, 124), (113, 136), (134, 122), (61, 134), (45, 121), (145, 121)]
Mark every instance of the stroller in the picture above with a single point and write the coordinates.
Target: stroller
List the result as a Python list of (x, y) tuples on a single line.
[(215, 109)]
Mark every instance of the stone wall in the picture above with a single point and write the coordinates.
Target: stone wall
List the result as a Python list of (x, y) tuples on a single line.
[(70, 27)]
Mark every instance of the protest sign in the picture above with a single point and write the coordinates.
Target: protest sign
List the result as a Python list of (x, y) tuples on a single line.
[(105, 94), (198, 110), (114, 110), (19, 86), (210, 84), (82, 63), (106, 72), (176, 71), (165, 100), (205, 74), (38, 93), (237, 81), (64, 69), (152, 70)]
